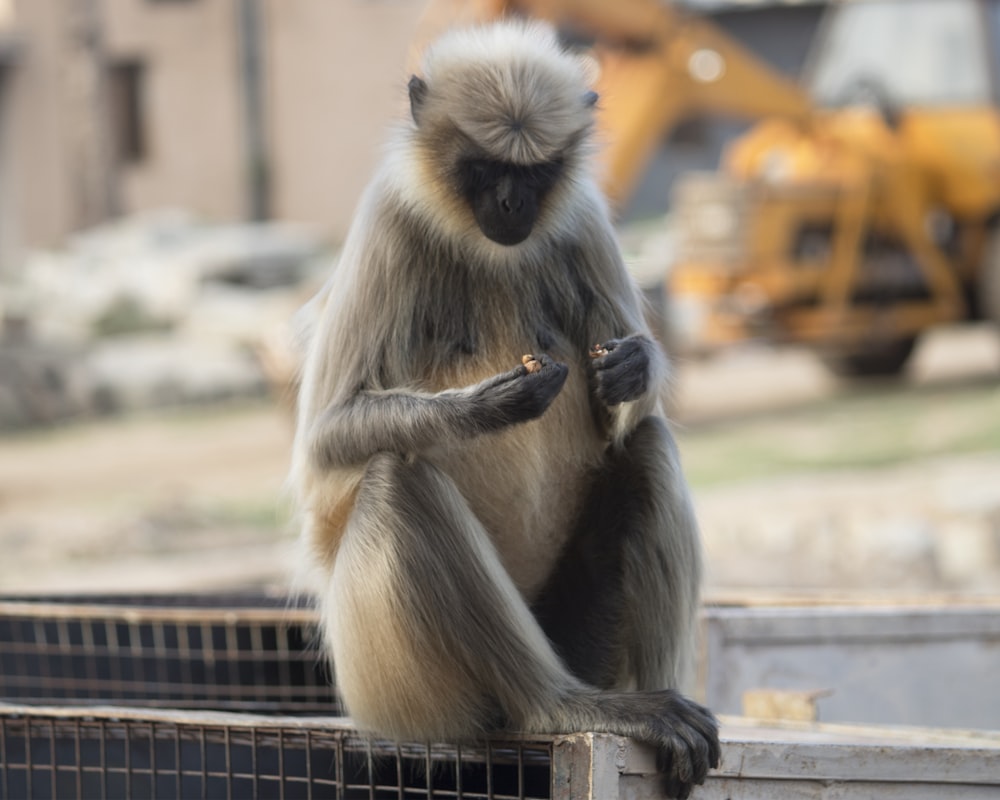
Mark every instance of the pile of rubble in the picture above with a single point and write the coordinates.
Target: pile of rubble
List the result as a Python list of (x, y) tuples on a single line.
[(152, 310)]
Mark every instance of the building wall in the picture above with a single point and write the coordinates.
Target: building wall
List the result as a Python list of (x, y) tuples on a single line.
[(38, 150), (9, 228), (334, 79), (192, 116), (337, 81)]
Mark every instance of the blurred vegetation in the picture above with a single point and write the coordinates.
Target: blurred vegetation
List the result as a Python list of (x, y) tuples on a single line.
[(883, 425)]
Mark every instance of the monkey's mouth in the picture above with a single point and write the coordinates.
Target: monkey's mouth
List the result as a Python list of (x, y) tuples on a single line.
[(507, 235), (504, 222)]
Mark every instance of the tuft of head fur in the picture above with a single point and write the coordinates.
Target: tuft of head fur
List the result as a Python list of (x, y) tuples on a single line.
[(507, 92), (510, 88)]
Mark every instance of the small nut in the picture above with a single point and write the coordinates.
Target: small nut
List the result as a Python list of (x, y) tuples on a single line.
[(531, 364), (597, 351)]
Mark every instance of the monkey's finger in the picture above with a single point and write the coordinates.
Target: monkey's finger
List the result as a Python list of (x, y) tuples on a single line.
[(698, 753), (674, 764), (541, 359), (530, 363)]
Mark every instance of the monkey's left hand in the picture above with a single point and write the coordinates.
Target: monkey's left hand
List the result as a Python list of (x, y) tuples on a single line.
[(620, 369)]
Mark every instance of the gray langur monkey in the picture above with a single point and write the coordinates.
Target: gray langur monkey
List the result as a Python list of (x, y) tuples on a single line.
[(501, 545)]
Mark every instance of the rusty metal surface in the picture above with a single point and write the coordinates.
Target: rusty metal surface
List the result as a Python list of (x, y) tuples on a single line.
[(118, 752), (250, 652)]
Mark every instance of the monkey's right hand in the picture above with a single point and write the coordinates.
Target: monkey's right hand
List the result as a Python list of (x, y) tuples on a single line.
[(522, 394)]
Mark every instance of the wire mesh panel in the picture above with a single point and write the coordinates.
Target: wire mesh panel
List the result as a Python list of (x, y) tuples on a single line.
[(83, 753), (244, 652), (137, 697)]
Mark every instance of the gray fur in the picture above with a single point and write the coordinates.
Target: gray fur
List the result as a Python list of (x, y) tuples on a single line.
[(497, 546)]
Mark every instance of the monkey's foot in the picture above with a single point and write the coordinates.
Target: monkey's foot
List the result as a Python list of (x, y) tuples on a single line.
[(685, 734), (687, 745)]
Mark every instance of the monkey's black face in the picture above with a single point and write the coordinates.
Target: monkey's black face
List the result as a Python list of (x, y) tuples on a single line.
[(505, 198)]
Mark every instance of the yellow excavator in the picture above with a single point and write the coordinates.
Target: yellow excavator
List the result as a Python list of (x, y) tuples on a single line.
[(659, 64), (877, 219), (862, 209)]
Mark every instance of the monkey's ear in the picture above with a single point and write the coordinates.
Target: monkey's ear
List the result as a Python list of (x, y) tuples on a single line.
[(590, 99), (418, 93)]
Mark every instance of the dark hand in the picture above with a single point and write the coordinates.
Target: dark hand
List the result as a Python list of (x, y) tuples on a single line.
[(522, 394), (620, 369)]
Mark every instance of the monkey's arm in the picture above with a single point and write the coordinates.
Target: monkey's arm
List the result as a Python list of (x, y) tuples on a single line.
[(629, 370), (399, 421)]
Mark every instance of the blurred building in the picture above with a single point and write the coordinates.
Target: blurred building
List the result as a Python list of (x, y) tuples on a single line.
[(235, 109), (231, 108)]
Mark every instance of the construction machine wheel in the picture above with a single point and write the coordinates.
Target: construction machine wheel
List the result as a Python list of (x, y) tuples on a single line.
[(878, 359), (987, 301)]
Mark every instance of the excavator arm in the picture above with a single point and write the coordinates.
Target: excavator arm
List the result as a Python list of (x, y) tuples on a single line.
[(658, 66)]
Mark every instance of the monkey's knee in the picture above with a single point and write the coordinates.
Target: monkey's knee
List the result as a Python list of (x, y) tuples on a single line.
[(384, 469), (650, 442), (412, 492)]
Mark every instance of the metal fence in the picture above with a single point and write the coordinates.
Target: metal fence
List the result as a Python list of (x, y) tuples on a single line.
[(112, 752), (226, 697), (208, 696), (245, 652)]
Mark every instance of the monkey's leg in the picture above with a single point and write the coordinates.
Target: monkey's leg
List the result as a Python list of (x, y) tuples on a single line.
[(431, 639), (621, 606)]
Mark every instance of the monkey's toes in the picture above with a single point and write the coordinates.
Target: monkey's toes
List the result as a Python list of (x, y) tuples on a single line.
[(688, 746), (683, 760)]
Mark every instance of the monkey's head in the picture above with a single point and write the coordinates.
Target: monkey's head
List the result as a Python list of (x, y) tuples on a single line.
[(501, 115)]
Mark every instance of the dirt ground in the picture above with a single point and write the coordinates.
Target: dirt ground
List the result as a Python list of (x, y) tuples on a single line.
[(802, 484)]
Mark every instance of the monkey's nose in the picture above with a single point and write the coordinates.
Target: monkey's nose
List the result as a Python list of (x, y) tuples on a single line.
[(509, 198), (511, 206)]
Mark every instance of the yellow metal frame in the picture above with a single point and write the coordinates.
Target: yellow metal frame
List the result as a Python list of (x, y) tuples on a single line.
[(849, 169)]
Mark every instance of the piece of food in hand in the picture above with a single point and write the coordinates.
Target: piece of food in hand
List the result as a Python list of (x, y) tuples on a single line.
[(531, 363), (598, 350)]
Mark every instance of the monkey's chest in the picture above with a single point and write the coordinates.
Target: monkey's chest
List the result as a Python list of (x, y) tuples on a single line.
[(526, 484)]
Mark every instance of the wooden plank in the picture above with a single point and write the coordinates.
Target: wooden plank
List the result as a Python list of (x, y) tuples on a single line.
[(894, 665), (766, 598), (848, 754), (877, 623), (766, 789), (226, 615)]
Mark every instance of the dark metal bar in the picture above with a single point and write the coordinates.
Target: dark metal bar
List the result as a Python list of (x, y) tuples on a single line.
[(103, 758), (27, 758), (4, 751), (281, 765), (79, 760), (204, 764), (489, 771), (309, 781), (152, 759), (229, 767)]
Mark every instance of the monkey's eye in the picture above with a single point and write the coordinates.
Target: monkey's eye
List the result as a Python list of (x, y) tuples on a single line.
[(544, 176), (478, 174)]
